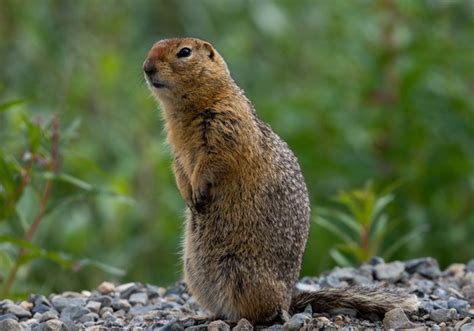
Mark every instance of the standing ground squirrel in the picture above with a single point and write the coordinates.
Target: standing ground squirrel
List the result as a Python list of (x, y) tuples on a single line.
[(248, 208)]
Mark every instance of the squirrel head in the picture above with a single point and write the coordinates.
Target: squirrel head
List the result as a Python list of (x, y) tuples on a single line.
[(184, 70)]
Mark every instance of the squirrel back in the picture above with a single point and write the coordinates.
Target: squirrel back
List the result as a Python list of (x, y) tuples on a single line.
[(248, 209)]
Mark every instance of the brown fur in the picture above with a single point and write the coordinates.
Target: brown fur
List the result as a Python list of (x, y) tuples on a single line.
[(362, 299), (248, 209)]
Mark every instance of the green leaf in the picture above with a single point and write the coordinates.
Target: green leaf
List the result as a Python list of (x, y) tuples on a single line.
[(11, 103), (34, 132), (6, 261), (356, 251), (339, 258), (101, 266), (334, 229), (70, 180), (71, 131), (86, 187), (66, 261), (413, 235), (352, 201), (340, 216), (380, 204), (19, 243), (378, 232)]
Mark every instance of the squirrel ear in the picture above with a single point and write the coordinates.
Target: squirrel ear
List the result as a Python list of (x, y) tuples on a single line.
[(210, 50)]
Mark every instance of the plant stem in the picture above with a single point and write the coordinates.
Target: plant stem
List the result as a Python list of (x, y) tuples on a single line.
[(365, 241), (54, 167)]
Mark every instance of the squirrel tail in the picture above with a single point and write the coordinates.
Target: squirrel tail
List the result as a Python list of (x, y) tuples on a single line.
[(364, 300)]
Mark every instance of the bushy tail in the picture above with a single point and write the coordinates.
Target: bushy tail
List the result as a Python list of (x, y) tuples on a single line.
[(364, 300)]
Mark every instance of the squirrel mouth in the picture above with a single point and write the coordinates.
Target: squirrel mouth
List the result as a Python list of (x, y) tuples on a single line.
[(156, 84)]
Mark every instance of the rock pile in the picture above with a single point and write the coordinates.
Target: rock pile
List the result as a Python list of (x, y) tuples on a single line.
[(447, 301)]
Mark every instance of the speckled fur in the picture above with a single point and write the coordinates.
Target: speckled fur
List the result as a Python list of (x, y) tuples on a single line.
[(364, 300), (248, 210)]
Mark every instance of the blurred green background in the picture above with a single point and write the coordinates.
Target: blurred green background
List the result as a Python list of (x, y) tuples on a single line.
[(360, 90)]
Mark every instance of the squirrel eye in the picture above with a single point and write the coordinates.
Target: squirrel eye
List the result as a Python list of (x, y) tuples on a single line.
[(184, 52)]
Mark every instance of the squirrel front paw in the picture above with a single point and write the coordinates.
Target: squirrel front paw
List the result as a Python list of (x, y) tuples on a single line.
[(201, 196)]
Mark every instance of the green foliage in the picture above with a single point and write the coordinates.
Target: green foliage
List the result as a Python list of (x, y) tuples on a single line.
[(358, 89), (363, 225), (25, 192)]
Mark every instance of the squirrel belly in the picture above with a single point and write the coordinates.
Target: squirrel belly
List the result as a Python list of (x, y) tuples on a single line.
[(248, 208)]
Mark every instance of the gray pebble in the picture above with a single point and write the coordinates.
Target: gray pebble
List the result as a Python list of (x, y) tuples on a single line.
[(468, 279), (172, 325), (10, 325), (60, 302), (104, 310), (121, 304), (175, 298), (50, 314), (276, 327), (331, 281), (52, 325), (138, 298), (426, 306), (30, 324), (468, 292), (243, 325), (343, 311), (425, 285), (218, 326), (457, 304), (40, 300), (90, 317), (104, 300), (153, 291), (8, 316), (396, 319), (41, 308), (6, 302), (440, 304), (391, 271), (16, 310), (179, 289), (296, 322), (470, 266), (137, 310), (202, 327), (343, 273), (376, 260), (443, 315), (440, 293), (108, 315), (127, 289), (94, 306), (468, 327), (427, 267), (73, 313), (91, 325), (363, 280), (174, 305)]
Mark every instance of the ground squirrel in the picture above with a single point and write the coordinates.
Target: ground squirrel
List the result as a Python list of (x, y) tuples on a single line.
[(248, 208)]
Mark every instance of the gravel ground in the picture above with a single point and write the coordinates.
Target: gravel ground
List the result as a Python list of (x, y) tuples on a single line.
[(447, 302)]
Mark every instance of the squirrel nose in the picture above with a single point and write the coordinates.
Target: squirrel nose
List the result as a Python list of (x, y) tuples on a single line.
[(149, 67)]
